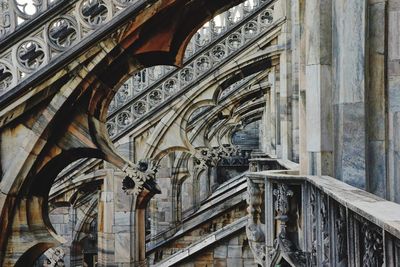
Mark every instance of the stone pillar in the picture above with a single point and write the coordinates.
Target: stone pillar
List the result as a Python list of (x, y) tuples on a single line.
[(266, 125), (213, 174), (116, 226), (319, 86), (394, 99), (349, 86), (285, 84), (105, 233), (376, 99), (295, 64), (204, 185), (61, 220), (273, 118), (299, 48)]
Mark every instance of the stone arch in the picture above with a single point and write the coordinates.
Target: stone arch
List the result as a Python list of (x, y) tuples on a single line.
[(91, 87), (176, 119)]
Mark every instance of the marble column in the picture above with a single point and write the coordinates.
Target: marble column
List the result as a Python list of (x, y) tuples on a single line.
[(319, 86), (376, 161), (286, 84), (213, 174), (299, 46), (393, 105), (266, 125), (296, 64), (116, 236), (105, 233), (273, 109), (349, 88)]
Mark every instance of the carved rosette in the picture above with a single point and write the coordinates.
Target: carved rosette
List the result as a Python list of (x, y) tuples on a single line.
[(254, 227), (137, 175)]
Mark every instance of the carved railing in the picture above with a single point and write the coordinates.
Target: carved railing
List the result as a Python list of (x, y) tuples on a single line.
[(265, 164), (49, 38), (206, 36), (197, 67), (16, 13), (319, 221)]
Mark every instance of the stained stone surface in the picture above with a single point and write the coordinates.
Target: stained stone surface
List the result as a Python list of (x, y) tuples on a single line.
[(317, 91)]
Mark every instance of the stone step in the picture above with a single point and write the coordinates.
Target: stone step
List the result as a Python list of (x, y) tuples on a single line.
[(232, 195), (204, 243)]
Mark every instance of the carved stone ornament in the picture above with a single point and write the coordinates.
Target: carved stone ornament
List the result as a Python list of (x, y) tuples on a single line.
[(137, 175), (207, 158), (254, 227), (283, 246), (341, 228), (55, 258), (373, 246), (159, 84)]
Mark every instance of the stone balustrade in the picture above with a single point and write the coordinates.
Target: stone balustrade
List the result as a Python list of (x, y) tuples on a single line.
[(137, 99), (206, 39), (265, 163), (319, 221), (42, 43), (15, 14)]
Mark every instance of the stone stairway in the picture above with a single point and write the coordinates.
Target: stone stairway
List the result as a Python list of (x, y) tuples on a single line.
[(230, 195), (204, 243)]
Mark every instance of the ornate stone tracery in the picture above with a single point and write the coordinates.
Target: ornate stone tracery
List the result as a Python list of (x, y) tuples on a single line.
[(159, 88)]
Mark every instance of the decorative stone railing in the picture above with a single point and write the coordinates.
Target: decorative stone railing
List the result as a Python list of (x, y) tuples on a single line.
[(46, 40), (17, 13), (198, 67), (213, 31), (319, 221), (265, 164)]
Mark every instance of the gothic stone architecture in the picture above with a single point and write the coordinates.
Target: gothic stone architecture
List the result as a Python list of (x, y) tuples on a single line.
[(199, 133)]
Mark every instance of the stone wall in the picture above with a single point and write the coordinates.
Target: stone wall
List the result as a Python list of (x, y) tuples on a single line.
[(232, 252), (393, 106), (62, 221)]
